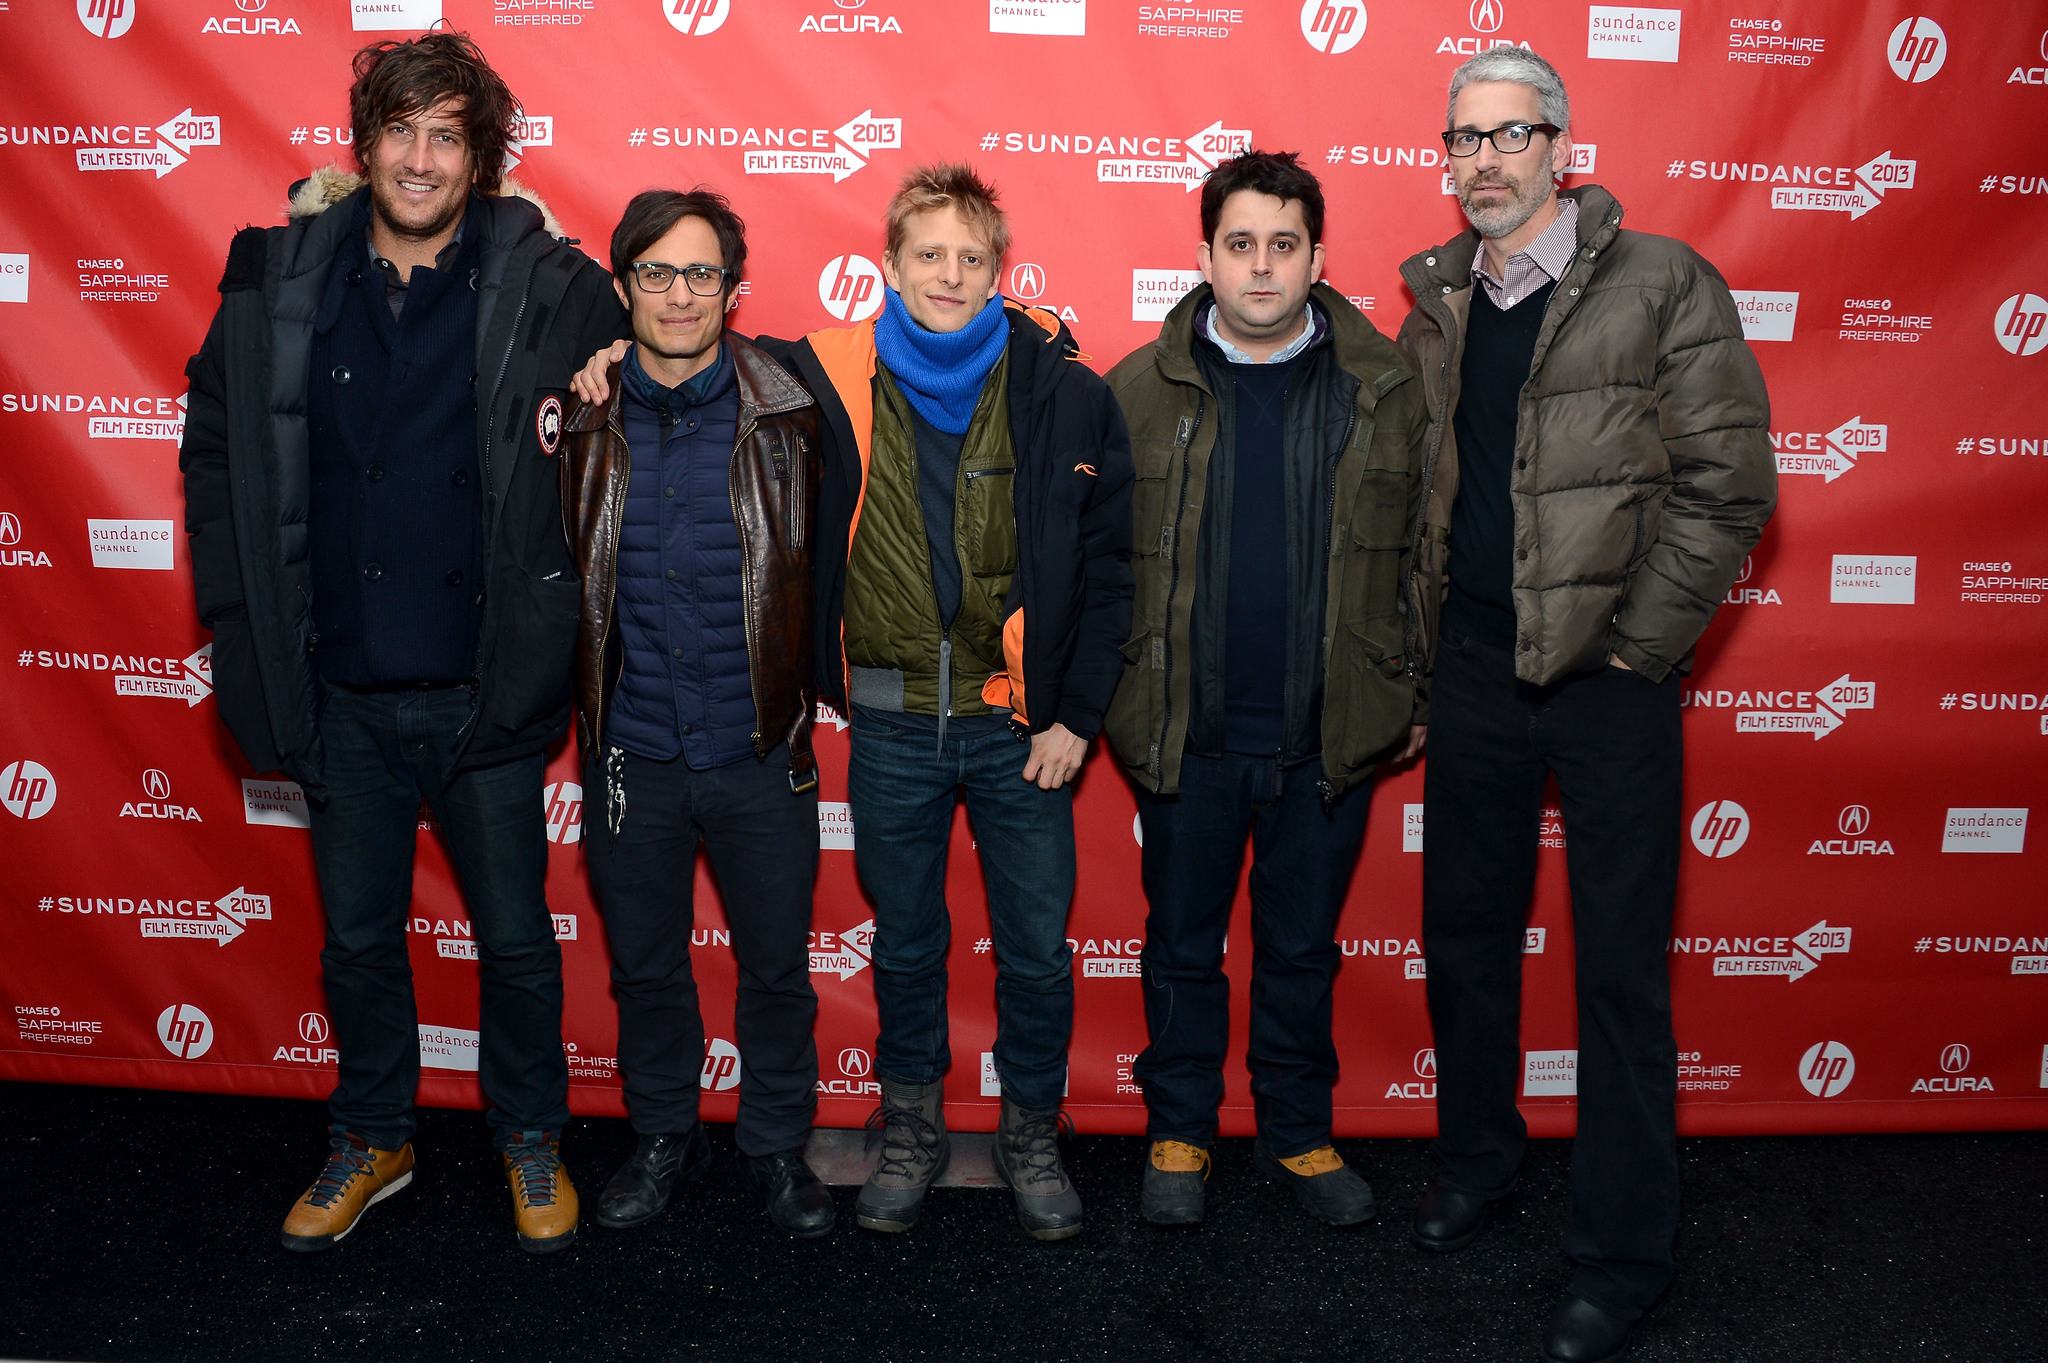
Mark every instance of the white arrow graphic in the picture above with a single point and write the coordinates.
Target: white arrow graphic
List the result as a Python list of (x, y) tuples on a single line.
[(856, 945)]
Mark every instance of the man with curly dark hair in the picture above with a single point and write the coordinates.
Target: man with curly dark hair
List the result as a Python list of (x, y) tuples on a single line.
[(376, 532)]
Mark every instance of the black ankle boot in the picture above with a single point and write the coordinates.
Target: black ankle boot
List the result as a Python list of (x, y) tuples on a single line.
[(644, 1183)]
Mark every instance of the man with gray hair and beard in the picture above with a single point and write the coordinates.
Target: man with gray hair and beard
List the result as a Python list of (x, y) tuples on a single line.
[(1597, 466)]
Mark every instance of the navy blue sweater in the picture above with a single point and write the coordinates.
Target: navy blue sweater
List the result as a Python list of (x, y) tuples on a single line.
[(685, 688), (395, 514)]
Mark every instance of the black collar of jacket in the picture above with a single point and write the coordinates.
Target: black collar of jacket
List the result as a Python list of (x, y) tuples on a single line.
[(1361, 350), (765, 389), (1428, 272)]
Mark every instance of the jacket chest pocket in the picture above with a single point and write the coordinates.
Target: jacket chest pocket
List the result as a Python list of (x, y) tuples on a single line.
[(987, 529)]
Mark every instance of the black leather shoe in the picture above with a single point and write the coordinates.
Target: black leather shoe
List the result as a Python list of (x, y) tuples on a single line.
[(797, 1200), (1447, 1220), (642, 1187), (1581, 1332)]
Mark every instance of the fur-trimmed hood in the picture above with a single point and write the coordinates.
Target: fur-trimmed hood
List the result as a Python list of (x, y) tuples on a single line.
[(330, 184)]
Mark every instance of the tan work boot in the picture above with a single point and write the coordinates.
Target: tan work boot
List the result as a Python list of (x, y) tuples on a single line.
[(544, 1208), (355, 1177)]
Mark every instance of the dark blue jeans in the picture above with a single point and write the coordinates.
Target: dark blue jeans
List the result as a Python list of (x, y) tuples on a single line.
[(763, 844), (386, 751), (1302, 859), (1614, 741), (902, 789)]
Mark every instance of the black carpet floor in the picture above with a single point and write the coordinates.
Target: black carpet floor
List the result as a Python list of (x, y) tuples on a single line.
[(140, 1226)]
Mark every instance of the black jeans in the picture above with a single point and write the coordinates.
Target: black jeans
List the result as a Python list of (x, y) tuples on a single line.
[(1302, 859), (1613, 740), (763, 844), (386, 751)]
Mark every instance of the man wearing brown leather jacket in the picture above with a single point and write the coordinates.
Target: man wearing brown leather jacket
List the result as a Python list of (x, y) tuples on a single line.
[(1598, 465), (688, 491)]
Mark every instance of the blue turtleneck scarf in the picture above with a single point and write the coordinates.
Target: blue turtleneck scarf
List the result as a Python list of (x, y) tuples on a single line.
[(941, 372)]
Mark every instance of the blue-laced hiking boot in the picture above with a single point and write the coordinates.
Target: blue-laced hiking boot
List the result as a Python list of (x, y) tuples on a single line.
[(354, 1178), (544, 1208)]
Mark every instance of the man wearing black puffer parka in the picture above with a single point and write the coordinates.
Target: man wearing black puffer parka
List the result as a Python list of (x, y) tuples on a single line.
[(377, 546)]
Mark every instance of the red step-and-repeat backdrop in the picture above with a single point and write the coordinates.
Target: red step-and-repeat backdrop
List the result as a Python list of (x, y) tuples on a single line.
[(1862, 934)]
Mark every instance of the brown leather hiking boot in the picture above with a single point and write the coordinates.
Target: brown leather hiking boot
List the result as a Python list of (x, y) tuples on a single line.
[(355, 1177), (544, 1208)]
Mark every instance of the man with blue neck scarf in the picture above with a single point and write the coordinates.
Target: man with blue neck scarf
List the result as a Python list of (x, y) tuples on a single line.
[(973, 591), (1278, 438), (689, 497)]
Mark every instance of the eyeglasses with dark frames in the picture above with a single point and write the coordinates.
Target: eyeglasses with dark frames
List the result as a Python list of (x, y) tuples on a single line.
[(658, 276), (1507, 139)]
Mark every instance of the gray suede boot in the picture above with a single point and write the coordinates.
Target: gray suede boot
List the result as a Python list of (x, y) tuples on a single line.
[(912, 1123), (1028, 1160)]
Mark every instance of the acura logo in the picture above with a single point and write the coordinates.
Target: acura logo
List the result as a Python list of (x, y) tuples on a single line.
[(156, 785), (10, 528), (1955, 1058), (854, 1063), (1425, 1062), (849, 4), (251, 6), (1747, 568), (1486, 16), (1855, 819), (313, 1028), (1027, 282)]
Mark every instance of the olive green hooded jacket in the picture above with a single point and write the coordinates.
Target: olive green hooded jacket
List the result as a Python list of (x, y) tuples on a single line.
[(1355, 425)]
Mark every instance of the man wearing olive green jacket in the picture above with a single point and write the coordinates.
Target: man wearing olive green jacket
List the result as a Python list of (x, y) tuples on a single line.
[(1278, 443)]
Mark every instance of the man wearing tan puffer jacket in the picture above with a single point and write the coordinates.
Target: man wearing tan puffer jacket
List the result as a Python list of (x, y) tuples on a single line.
[(1598, 464)]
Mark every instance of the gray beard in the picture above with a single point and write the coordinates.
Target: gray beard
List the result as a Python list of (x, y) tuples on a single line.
[(1501, 221)]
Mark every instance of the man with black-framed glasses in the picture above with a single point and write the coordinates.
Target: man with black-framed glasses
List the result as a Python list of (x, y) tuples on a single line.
[(1598, 465), (688, 492)]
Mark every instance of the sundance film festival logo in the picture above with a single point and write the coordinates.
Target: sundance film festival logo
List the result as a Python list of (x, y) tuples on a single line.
[(1765, 711), (106, 18), (838, 152), (196, 919), (1827, 1068), (850, 287), (1792, 957), (1829, 188), (1333, 26), (844, 954), (1916, 49), (186, 1032), (1833, 454), (455, 938), (1201, 153), (175, 139)]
